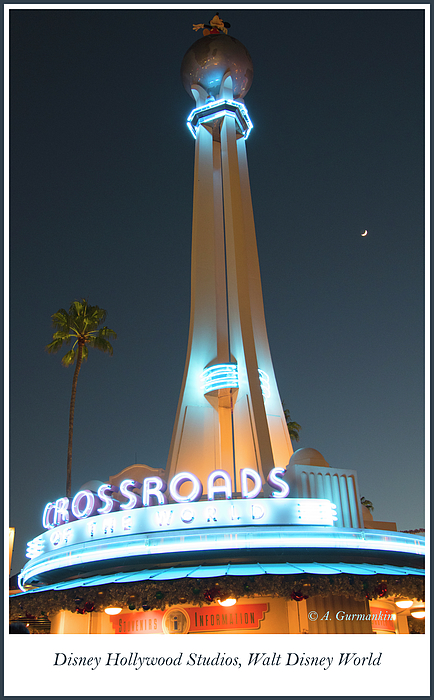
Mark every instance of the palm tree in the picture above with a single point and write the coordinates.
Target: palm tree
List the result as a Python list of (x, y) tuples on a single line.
[(293, 428), (80, 323), (366, 503)]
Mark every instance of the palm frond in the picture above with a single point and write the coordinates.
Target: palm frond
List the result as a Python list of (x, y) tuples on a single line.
[(96, 316), (69, 358), (107, 333), (293, 427), (54, 346), (100, 344), (60, 320), (86, 318), (364, 501), (62, 335), (77, 308)]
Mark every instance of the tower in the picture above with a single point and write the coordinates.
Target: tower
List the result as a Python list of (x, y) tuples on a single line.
[(229, 414)]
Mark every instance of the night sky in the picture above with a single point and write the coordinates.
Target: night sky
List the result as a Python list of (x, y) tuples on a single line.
[(101, 187)]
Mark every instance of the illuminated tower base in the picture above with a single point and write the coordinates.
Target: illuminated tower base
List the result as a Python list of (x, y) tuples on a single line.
[(230, 413)]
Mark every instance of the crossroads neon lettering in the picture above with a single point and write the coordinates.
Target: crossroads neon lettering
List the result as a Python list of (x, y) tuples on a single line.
[(87, 503)]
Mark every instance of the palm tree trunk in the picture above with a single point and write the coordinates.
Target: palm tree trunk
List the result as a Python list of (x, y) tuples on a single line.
[(71, 418)]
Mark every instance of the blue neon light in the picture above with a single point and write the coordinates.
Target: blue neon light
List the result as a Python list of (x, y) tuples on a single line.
[(163, 517), (225, 538), (265, 383), (217, 109), (180, 479), (46, 522), (126, 489), (230, 570), (213, 488), (90, 506), (220, 377), (274, 480), (253, 475), (225, 376), (35, 547), (205, 514)]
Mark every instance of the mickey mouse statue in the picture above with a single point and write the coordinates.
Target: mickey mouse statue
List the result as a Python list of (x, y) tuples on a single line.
[(216, 26)]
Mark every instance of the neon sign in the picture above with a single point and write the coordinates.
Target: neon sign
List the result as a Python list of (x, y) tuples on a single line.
[(116, 528), (87, 504), (254, 536)]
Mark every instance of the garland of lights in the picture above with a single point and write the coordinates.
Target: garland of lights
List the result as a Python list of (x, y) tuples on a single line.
[(152, 595)]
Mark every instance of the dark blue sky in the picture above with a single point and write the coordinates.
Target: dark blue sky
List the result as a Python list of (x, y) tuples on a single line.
[(101, 183)]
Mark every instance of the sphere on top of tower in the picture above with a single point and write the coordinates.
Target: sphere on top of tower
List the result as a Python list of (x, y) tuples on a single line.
[(206, 62)]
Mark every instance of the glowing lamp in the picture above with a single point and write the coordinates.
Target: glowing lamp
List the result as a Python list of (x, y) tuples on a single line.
[(113, 611), (418, 614), (227, 603), (404, 604)]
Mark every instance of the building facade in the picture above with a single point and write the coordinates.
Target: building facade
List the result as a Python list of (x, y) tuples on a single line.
[(238, 534)]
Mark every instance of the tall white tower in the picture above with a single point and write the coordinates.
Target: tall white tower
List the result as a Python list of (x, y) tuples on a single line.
[(229, 413)]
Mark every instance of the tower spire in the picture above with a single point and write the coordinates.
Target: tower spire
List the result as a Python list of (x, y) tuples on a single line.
[(229, 415)]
